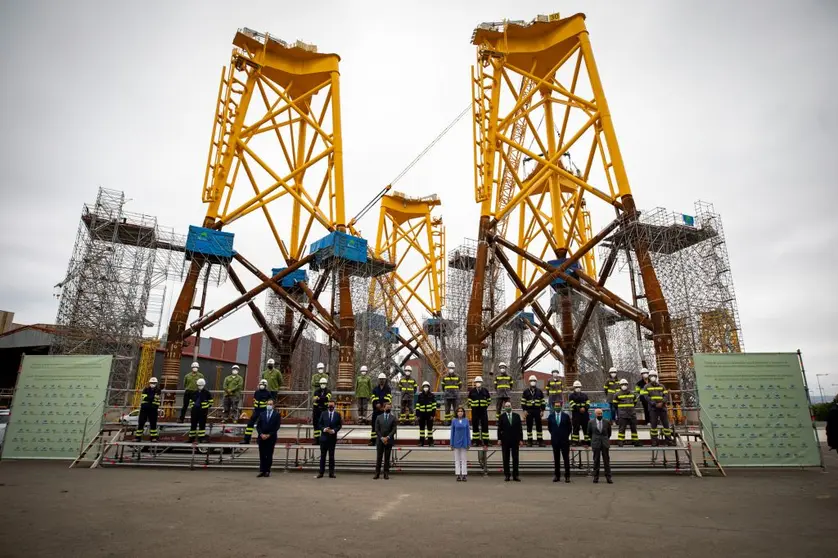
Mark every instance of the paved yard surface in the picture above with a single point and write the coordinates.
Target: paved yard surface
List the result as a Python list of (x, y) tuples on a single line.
[(48, 510)]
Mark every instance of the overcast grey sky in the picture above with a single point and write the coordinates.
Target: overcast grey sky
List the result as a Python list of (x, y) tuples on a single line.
[(728, 102)]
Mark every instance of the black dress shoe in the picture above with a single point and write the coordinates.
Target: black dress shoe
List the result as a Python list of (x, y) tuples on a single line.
[(332, 476), (567, 479), (555, 479), (267, 474), (596, 480), (375, 477), (386, 476), (609, 481), (507, 479), (319, 475), (260, 475), (516, 479)]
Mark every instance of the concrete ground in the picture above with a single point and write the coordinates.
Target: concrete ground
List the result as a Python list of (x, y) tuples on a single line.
[(48, 510)]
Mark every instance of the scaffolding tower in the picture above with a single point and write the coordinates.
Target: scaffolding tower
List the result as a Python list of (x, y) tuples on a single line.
[(689, 254), (115, 284)]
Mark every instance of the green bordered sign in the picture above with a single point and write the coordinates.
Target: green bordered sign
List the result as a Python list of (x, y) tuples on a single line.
[(754, 410), (54, 396)]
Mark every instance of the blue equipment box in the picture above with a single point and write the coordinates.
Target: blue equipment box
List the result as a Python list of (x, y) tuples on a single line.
[(292, 278), (340, 245), (559, 282), (217, 246)]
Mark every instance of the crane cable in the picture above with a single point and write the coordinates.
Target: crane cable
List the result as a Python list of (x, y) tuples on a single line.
[(424, 152)]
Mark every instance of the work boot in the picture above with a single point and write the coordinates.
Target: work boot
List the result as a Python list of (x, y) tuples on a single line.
[(620, 444), (529, 443), (244, 442), (670, 442), (421, 443), (654, 442), (430, 443), (153, 440), (637, 443), (137, 439), (541, 443)]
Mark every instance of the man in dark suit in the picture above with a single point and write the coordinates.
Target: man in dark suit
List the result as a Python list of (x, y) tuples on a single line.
[(558, 423), (267, 426), (510, 436), (329, 425), (385, 436), (599, 431)]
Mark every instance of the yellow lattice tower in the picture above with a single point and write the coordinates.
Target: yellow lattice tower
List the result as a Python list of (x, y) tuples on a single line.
[(546, 157), (411, 238), (144, 369)]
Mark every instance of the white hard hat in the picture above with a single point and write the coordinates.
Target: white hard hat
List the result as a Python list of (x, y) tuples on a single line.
[(320, 366), (502, 365), (426, 383), (479, 379), (612, 370), (533, 379), (195, 365), (451, 364), (323, 381), (235, 367), (382, 376), (271, 361), (263, 382), (153, 380), (577, 384), (624, 382), (644, 370), (364, 369), (201, 382), (408, 368)]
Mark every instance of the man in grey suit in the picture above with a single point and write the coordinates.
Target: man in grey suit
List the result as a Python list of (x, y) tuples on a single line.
[(385, 437), (599, 432)]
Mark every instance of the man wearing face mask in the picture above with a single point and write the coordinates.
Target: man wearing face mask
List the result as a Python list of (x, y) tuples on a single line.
[(363, 390), (233, 385), (407, 386), (150, 403), (611, 388), (626, 404), (579, 405), (478, 401), (319, 375), (380, 395), (426, 409), (510, 436), (599, 432), (321, 398), (451, 386), (532, 400), (385, 436), (658, 398), (274, 378), (267, 426), (330, 424), (640, 390), (503, 386), (200, 410), (555, 390), (260, 402)]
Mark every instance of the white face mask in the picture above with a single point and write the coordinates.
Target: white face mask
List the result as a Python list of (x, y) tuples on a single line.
[(478, 384), (363, 372), (577, 389), (532, 384), (653, 380), (263, 386), (152, 386), (235, 372), (407, 374), (270, 407), (426, 388), (612, 374), (624, 388), (450, 370)]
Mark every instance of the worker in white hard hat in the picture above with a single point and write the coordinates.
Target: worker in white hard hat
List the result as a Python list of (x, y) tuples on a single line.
[(611, 388), (640, 390), (407, 386), (658, 403), (274, 378), (233, 386), (425, 410), (380, 395), (319, 402), (626, 401), (363, 390), (478, 401), (260, 403), (555, 390), (580, 405), (190, 387), (503, 387), (319, 375), (451, 386), (533, 403), (200, 410), (149, 405)]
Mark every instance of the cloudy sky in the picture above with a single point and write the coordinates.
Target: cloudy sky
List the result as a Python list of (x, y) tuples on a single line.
[(727, 102)]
